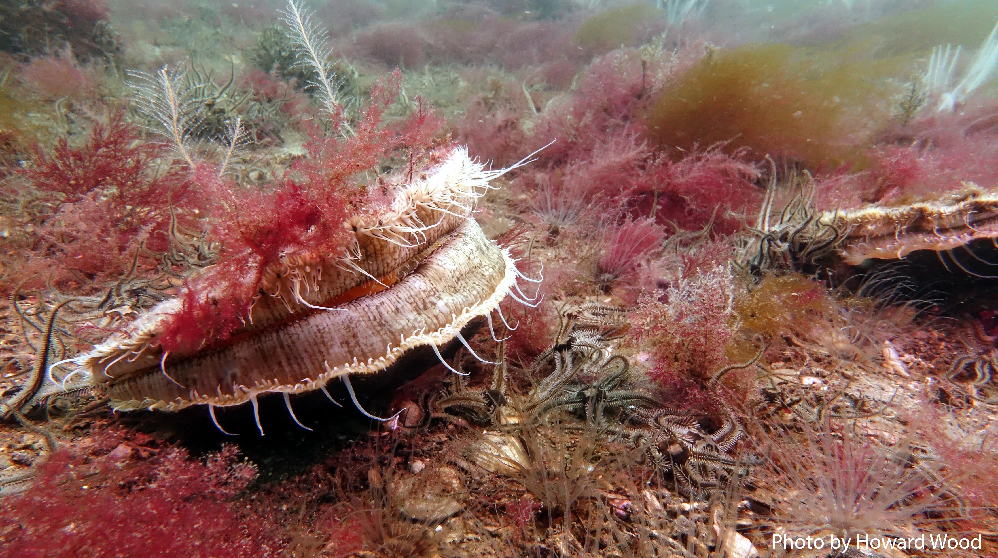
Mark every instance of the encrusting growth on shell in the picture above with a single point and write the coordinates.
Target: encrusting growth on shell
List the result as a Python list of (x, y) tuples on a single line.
[(413, 274)]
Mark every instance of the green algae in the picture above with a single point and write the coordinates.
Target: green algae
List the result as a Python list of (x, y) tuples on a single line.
[(797, 104), (624, 26)]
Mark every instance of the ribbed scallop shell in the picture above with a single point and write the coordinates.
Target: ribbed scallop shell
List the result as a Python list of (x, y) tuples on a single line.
[(892, 232), (423, 265)]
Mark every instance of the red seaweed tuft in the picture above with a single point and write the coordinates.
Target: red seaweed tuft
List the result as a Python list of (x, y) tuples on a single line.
[(131, 496)]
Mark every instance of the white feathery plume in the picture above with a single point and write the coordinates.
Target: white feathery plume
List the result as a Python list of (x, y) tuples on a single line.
[(236, 136), (166, 98), (942, 65), (313, 51), (981, 69), (678, 11)]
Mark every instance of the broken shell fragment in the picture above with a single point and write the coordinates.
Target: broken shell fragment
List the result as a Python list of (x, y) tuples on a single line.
[(414, 274), (501, 453)]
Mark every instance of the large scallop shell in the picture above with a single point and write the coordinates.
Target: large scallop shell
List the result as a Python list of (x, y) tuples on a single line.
[(415, 274), (890, 233)]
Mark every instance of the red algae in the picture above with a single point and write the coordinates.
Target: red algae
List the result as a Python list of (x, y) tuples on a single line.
[(96, 203), (687, 329), (625, 247), (54, 77), (131, 496)]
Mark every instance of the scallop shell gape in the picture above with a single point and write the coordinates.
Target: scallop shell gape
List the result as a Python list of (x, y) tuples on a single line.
[(415, 274)]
